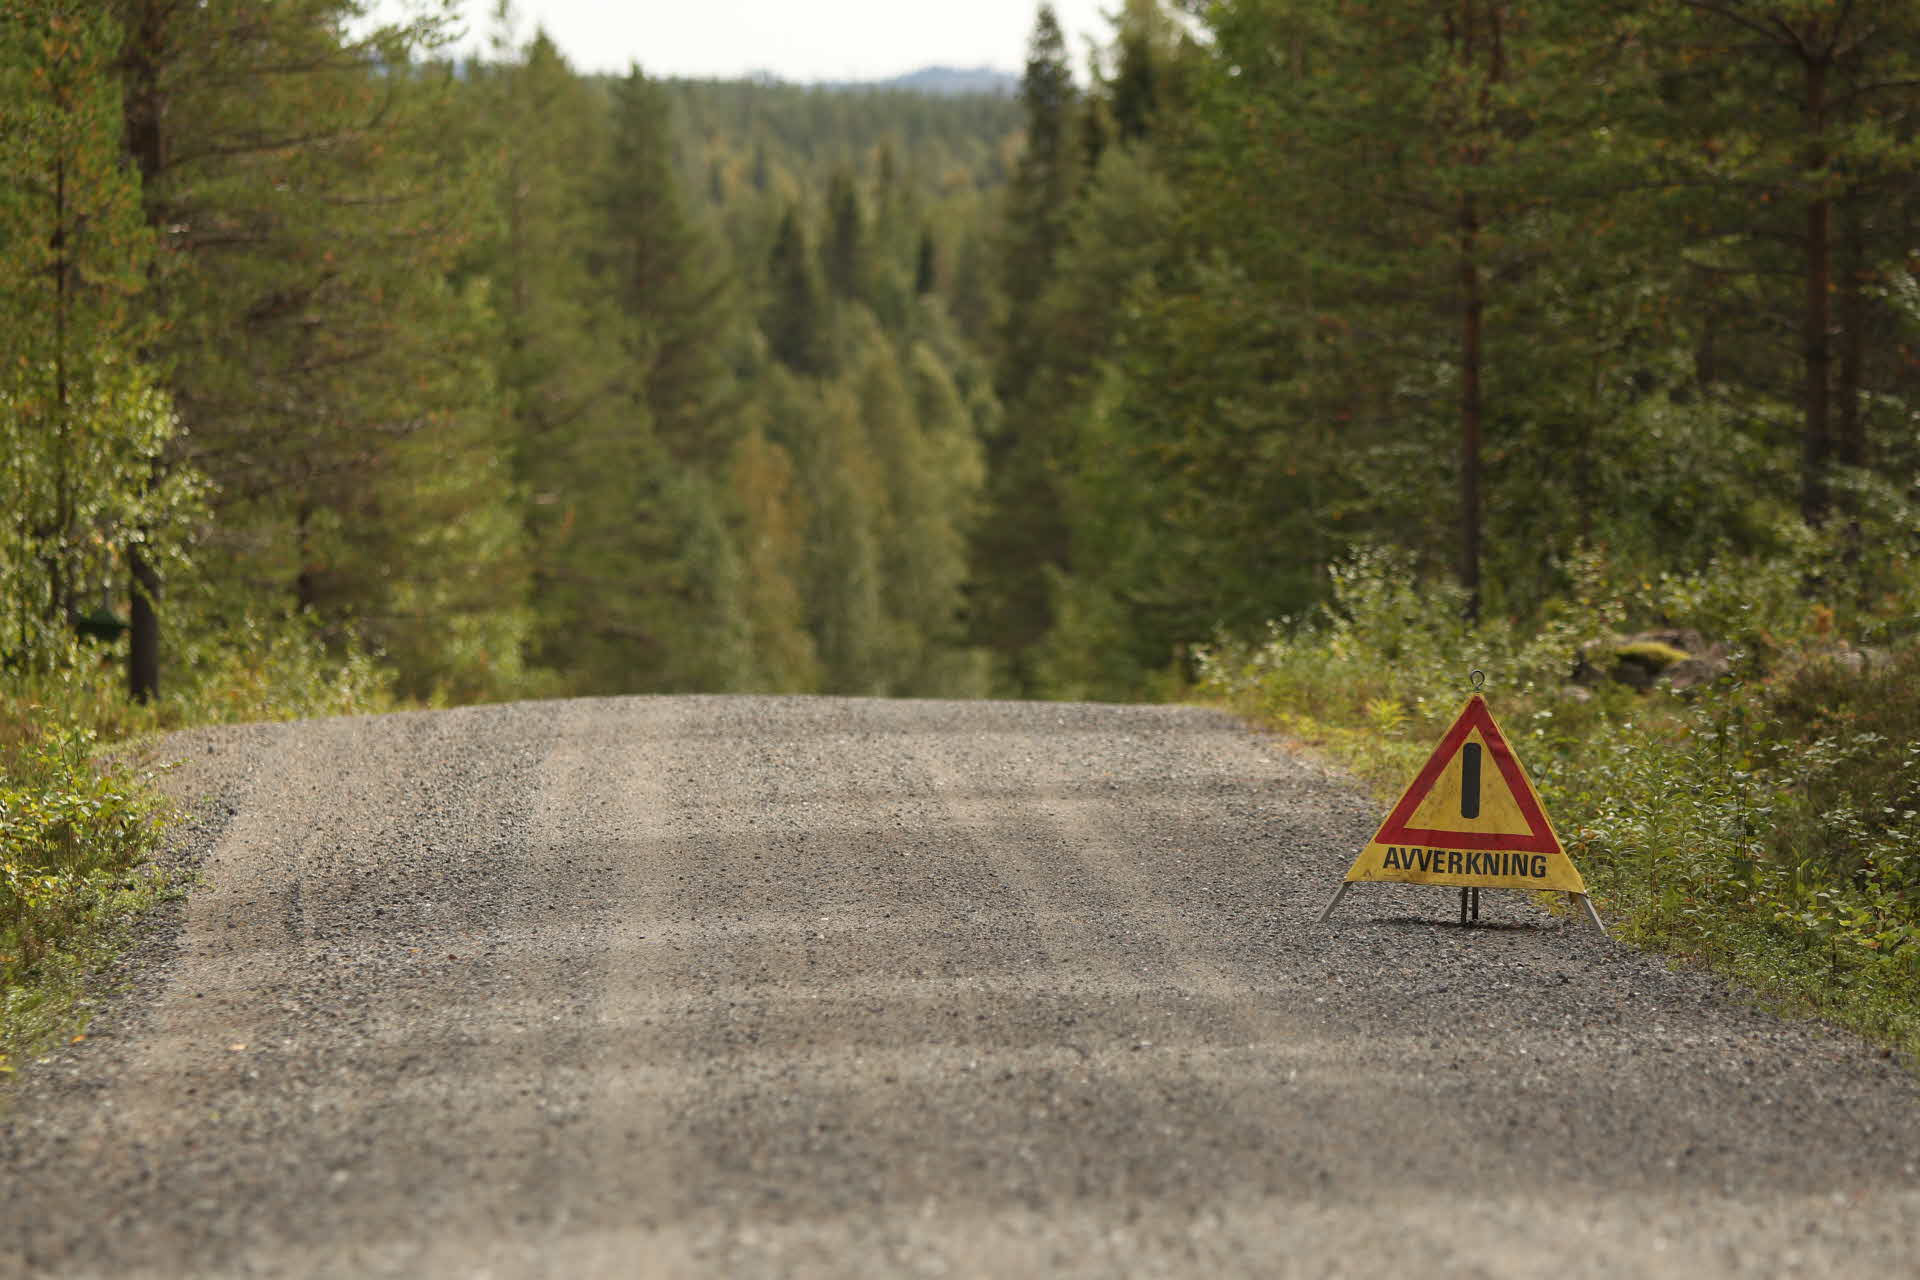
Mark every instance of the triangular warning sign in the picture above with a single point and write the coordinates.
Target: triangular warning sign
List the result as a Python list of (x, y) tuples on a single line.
[(1471, 818)]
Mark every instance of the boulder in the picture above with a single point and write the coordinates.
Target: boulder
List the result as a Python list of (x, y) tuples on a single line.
[(1678, 657)]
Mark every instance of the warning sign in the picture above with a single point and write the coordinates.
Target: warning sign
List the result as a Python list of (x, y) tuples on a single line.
[(1471, 818)]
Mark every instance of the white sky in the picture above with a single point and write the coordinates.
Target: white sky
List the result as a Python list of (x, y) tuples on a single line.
[(797, 40)]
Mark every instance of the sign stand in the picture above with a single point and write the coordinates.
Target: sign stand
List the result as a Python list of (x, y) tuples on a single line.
[(1572, 898), (1470, 819)]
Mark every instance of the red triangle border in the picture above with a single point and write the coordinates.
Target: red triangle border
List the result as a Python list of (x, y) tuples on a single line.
[(1475, 715)]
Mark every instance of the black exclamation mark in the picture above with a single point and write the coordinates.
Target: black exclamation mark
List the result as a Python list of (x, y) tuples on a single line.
[(1470, 780)]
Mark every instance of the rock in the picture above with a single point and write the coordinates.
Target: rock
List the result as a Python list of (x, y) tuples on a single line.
[(1635, 675), (1860, 661), (1691, 673), (1679, 657)]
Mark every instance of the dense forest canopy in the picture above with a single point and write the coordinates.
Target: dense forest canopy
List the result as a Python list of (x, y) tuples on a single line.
[(538, 382)]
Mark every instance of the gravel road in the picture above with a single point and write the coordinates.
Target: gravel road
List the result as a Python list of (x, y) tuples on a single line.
[(820, 987)]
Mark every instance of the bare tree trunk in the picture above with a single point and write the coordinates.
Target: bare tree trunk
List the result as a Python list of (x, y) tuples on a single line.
[(143, 657), (144, 106), (1850, 428), (1470, 321), (1472, 301), (1817, 439)]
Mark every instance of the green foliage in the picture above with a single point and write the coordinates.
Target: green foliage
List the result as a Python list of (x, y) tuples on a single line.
[(78, 830), (83, 427), (416, 385), (75, 839), (1026, 538), (64, 825), (1498, 286)]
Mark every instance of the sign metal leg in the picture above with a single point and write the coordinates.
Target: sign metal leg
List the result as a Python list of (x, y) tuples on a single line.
[(1338, 894), (1592, 915)]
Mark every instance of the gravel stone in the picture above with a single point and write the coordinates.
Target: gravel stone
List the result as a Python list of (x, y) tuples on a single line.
[(821, 987)]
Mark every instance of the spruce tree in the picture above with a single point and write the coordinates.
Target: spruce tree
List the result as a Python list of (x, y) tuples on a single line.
[(1026, 538), (678, 300), (795, 318)]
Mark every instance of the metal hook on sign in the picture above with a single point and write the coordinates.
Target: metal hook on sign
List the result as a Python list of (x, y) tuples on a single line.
[(1478, 677)]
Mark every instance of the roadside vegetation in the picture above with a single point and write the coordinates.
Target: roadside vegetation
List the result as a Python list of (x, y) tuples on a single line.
[(1764, 822), (82, 823)]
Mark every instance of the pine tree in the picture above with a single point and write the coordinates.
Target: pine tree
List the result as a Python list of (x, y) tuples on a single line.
[(845, 254), (558, 360), (1787, 143), (1412, 164), (311, 195), (846, 499), (81, 424), (773, 529)]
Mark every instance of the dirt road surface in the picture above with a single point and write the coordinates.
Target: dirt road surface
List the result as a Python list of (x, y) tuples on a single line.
[(813, 987)]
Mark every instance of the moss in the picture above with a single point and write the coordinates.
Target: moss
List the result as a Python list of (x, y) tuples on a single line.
[(1651, 654)]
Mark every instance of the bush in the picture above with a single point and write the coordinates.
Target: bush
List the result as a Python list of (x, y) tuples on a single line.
[(75, 840)]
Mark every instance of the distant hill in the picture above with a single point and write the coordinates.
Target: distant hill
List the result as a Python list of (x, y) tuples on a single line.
[(939, 83), (952, 81), (935, 82)]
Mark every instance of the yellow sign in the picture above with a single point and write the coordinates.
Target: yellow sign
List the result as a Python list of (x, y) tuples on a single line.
[(1471, 818)]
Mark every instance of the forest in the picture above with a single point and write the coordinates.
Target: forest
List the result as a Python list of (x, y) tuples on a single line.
[(525, 381), (338, 372)]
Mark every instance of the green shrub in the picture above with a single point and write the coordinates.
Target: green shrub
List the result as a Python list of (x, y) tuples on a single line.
[(75, 840)]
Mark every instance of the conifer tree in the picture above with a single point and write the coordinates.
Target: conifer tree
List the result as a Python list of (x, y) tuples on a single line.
[(1026, 535), (1786, 144), (575, 423), (773, 531), (795, 318), (845, 253), (311, 197), (81, 424), (680, 305), (845, 575)]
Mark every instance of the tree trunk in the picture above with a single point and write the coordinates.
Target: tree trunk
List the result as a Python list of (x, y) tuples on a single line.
[(1817, 442), (1850, 429), (143, 658), (144, 106), (1470, 318)]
